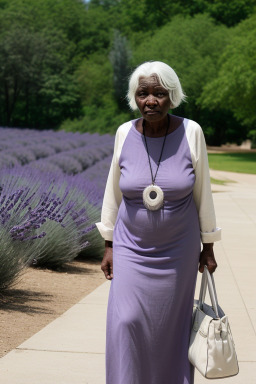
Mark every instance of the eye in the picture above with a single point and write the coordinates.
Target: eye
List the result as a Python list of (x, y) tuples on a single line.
[(142, 94), (160, 94)]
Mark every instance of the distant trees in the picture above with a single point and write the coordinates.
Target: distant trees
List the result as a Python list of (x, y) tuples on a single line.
[(134, 16), (36, 87), (192, 46), (66, 63), (234, 87), (41, 45)]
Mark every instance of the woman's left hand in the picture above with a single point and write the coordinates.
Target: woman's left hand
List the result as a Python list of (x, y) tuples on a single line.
[(207, 258)]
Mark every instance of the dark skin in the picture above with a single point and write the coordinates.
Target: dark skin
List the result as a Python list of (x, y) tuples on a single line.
[(153, 102)]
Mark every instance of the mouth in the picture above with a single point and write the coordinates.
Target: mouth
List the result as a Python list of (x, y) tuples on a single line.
[(151, 112)]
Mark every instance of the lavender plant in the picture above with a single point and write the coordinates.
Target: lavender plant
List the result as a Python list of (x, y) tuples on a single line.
[(67, 164), (77, 216), (76, 160), (98, 173), (30, 146), (13, 257), (44, 219), (42, 150), (22, 154), (8, 161), (48, 215)]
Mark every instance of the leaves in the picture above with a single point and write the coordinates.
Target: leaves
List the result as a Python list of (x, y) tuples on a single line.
[(65, 63), (120, 56), (236, 80)]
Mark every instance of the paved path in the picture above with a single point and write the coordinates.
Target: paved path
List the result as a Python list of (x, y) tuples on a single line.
[(70, 350)]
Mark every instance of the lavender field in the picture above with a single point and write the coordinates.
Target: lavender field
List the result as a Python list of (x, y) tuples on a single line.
[(51, 190)]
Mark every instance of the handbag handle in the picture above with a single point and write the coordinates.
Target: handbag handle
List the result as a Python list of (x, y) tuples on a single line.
[(208, 280)]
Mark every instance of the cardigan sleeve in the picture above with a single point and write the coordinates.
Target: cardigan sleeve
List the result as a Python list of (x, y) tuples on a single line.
[(202, 188), (112, 196)]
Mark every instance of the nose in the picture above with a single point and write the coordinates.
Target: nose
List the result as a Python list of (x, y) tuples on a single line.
[(151, 100)]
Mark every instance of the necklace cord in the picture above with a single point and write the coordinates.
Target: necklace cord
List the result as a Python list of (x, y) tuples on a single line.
[(143, 126)]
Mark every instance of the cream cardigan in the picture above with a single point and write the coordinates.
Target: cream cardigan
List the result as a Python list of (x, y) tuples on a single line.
[(202, 188)]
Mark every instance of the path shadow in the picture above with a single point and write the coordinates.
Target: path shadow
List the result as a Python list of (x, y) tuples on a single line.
[(20, 300), (70, 268)]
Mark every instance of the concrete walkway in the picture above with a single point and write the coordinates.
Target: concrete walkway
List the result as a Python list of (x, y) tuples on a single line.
[(70, 350)]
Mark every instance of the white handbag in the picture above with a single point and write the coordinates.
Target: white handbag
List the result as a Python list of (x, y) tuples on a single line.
[(211, 346)]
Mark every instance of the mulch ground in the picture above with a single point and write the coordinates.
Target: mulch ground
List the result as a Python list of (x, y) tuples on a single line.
[(42, 295)]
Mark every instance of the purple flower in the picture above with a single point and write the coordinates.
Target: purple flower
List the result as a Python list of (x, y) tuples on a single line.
[(89, 229), (50, 187)]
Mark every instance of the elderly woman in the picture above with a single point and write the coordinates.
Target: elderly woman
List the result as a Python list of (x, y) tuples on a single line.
[(157, 209)]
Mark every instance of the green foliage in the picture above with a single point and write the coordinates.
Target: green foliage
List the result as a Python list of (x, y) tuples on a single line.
[(234, 87), (41, 46), (141, 15), (62, 245), (120, 56), (61, 65), (192, 46), (35, 57), (94, 78), (13, 261), (34, 73), (102, 91), (102, 120), (96, 250), (229, 13), (100, 110), (66, 16)]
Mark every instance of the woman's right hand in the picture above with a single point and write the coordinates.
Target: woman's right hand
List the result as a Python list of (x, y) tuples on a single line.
[(107, 262)]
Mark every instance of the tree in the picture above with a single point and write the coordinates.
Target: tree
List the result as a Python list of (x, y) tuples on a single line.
[(133, 16), (120, 56), (94, 79), (230, 13), (234, 86), (192, 47), (213, 63), (54, 57), (34, 76)]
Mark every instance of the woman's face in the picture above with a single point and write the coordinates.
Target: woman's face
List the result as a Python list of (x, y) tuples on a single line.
[(152, 99)]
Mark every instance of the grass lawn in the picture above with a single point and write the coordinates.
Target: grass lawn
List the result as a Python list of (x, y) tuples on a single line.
[(220, 182), (233, 162)]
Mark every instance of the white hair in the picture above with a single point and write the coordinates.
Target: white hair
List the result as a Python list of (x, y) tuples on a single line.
[(167, 78)]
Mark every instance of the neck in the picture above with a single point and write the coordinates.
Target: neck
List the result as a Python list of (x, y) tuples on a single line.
[(156, 128)]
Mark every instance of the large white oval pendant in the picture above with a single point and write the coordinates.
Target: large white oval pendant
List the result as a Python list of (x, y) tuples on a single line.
[(153, 197)]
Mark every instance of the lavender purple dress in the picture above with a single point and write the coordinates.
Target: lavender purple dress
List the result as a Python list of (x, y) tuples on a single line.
[(155, 263)]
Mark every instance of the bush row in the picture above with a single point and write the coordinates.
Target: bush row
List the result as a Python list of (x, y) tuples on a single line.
[(49, 206)]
